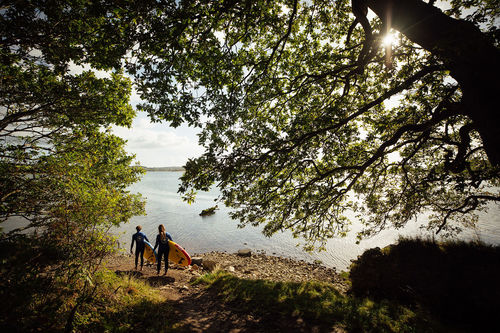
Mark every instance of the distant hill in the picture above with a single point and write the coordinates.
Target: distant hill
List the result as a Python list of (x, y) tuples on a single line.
[(173, 168)]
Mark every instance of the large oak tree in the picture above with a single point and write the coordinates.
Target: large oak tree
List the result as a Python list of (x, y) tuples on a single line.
[(306, 114)]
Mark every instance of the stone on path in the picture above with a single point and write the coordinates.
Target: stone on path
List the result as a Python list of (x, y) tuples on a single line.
[(209, 265), (196, 261), (245, 253)]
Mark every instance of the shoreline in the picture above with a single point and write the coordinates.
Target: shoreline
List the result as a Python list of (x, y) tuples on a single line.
[(257, 266), (336, 264)]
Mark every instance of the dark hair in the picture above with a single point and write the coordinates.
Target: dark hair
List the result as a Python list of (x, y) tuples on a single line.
[(138, 228), (161, 231)]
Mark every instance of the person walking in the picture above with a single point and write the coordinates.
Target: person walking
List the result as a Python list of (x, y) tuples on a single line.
[(163, 248), (139, 238)]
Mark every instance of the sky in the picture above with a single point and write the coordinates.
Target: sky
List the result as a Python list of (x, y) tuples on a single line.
[(157, 144), (153, 144)]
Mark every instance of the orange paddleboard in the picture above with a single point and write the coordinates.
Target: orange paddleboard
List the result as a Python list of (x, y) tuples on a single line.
[(149, 254), (178, 255)]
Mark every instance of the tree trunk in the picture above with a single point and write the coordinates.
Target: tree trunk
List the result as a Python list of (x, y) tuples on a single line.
[(473, 59)]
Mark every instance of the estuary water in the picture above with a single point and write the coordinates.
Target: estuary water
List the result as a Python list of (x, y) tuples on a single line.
[(219, 232)]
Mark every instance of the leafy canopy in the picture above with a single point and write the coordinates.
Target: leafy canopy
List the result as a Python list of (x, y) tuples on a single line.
[(52, 120), (306, 116)]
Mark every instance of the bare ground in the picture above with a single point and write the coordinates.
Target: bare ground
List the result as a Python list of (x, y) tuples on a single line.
[(203, 311)]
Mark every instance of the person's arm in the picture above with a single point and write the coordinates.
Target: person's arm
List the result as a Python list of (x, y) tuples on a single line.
[(156, 243), (146, 238), (168, 236), (132, 245)]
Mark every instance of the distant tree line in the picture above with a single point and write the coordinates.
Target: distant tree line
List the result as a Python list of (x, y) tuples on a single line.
[(162, 168)]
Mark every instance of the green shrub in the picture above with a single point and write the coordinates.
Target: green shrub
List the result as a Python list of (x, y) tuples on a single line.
[(456, 281)]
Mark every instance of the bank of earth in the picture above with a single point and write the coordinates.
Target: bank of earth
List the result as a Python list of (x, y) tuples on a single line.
[(231, 292), (245, 265)]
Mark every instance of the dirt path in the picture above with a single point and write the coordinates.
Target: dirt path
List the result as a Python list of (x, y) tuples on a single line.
[(202, 311)]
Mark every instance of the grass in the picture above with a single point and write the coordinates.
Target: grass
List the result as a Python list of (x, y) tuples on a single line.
[(125, 304), (39, 295), (315, 303), (120, 304), (413, 286)]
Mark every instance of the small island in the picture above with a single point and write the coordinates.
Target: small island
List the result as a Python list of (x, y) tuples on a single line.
[(209, 211)]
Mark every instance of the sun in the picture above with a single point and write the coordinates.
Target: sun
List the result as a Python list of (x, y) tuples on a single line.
[(389, 39)]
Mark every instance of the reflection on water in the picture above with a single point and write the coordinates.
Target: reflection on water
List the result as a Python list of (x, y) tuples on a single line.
[(220, 233)]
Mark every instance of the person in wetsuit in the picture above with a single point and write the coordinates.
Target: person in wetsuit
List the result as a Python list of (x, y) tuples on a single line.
[(163, 249), (139, 237)]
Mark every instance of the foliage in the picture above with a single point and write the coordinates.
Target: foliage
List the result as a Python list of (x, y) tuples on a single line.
[(47, 110), (71, 196), (121, 303), (26, 289), (209, 211), (64, 133), (456, 281), (314, 302), (125, 304), (306, 116), (61, 170), (56, 33)]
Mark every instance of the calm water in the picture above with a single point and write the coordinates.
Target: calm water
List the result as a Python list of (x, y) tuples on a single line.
[(220, 233)]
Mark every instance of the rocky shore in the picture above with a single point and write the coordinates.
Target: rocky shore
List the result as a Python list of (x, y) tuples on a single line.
[(244, 264), (200, 310), (260, 266)]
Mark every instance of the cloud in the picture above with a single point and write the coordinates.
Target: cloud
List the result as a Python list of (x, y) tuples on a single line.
[(156, 144), (79, 69), (134, 97)]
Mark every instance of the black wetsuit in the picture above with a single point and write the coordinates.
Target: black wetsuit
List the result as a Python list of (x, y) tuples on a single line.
[(163, 250), (139, 238)]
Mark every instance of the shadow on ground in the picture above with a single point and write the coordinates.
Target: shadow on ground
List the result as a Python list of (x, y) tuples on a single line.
[(243, 305), (206, 311), (154, 281), (157, 281), (130, 273), (458, 282)]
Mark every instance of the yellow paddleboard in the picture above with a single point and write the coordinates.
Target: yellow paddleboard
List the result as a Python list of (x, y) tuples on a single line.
[(149, 254), (177, 254)]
